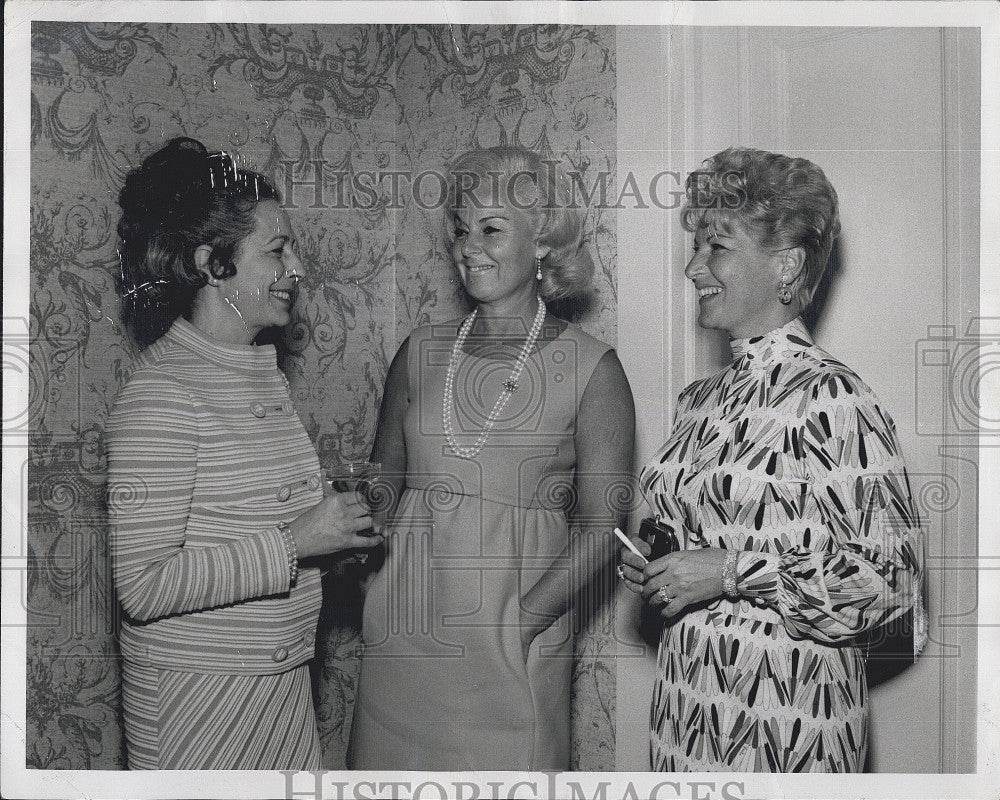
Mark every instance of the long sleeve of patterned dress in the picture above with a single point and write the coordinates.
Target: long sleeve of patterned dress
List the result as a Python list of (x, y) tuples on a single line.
[(152, 440), (861, 567), (787, 458)]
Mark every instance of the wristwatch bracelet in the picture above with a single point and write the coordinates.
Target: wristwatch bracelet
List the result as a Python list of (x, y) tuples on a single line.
[(729, 574)]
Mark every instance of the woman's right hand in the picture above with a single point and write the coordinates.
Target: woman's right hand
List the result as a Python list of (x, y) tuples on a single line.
[(631, 568), (332, 524)]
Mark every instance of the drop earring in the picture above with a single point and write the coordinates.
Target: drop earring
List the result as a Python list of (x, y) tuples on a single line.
[(538, 268), (784, 294)]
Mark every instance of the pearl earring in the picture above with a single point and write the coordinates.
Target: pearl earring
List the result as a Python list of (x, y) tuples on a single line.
[(538, 268), (784, 294)]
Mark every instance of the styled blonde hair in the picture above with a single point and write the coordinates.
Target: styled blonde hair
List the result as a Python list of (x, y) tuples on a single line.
[(782, 201), (567, 269)]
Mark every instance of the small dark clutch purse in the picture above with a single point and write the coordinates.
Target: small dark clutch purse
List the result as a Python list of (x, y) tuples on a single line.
[(659, 536)]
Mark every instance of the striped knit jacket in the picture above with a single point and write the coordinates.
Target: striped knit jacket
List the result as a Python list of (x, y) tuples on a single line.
[(206, 455)]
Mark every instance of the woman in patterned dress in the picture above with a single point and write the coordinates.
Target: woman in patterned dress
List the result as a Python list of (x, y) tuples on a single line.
[(214, 489), (783, 480)]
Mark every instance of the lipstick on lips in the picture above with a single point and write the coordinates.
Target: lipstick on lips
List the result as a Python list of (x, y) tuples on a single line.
[(285, 295)]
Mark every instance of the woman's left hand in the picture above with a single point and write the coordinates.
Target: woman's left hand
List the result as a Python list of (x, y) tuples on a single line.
[(687, 577)]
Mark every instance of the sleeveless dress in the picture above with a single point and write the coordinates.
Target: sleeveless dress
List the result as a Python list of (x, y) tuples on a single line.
[(444, 684)]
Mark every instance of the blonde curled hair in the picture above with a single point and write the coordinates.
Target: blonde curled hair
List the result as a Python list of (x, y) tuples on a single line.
[(567, 269), (784, 202)]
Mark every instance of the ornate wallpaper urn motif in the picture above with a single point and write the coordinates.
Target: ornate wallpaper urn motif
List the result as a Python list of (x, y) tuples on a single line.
[(320, 108)]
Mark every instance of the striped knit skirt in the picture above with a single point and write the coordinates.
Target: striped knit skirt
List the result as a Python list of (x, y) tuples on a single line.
[(188, 720)]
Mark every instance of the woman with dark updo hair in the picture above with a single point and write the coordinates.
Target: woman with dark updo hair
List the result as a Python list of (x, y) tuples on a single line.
[(216, 499)]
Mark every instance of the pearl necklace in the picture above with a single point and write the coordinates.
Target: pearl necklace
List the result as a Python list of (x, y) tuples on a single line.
[(509, 386)]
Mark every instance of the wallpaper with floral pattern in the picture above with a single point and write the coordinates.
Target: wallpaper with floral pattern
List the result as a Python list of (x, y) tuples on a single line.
[(323, 109)]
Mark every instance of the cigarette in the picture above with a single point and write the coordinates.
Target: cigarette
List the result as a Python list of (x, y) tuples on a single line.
[(629, 545)]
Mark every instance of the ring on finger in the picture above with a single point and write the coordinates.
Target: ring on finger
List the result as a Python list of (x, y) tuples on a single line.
[(662, 594), (621, 571)]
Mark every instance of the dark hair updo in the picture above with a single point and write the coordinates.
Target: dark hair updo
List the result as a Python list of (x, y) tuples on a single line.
[(180, 198)]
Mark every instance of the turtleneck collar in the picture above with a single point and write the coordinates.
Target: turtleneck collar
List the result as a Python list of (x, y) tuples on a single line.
[(762, 351), (244, 358)]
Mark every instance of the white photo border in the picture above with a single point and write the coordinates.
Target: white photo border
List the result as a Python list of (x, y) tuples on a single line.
[(17, 781)]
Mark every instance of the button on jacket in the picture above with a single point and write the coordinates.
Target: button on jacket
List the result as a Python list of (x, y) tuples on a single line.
[(206, 456)]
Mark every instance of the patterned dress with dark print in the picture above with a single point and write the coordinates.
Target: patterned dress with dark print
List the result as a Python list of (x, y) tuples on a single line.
[(787, 456)]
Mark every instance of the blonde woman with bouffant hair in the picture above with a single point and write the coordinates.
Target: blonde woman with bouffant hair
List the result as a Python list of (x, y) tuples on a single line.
[(543, 189), (506, 433), (783, 490)]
